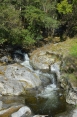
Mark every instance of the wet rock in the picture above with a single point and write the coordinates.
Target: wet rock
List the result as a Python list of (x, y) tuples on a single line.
[(22, 111), (69, 78), (6, 59), (15, 79), (74, 113), (46, 79), (9, 111), (69, 69), (0, 95), (1, 104), (71, 98), (18, 55), (9, 101), (40, 116), (71, 92)]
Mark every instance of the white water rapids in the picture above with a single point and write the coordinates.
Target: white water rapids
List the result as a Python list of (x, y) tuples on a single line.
[(54, 69), (49, 94)]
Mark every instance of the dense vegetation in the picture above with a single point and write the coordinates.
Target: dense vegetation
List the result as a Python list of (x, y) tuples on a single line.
[(26, 22)]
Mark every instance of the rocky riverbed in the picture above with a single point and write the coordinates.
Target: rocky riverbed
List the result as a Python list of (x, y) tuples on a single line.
[(50, 68)]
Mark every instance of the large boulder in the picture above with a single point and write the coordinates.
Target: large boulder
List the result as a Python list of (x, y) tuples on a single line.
[(69, 78), (15, 79), (42, 59)]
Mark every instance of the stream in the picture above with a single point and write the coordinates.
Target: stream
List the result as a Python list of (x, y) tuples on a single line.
[(47, 99)]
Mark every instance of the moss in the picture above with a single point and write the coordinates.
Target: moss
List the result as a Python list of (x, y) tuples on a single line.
[(72, 76), (73, 79)]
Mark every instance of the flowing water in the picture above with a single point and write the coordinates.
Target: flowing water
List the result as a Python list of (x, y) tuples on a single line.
[(49, 99)]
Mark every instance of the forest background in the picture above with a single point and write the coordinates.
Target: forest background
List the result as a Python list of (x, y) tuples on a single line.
[(27, 22)]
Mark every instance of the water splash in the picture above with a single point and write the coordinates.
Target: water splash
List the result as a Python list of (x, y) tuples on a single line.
[(26, 62), (55, 68)]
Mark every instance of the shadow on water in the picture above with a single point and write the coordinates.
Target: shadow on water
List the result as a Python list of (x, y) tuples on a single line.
[(46, 104)]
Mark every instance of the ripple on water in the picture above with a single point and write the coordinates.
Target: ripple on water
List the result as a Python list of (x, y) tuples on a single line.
[(46, 103)]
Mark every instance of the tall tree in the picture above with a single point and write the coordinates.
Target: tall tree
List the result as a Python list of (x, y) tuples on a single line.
[(67, 10), (26, 21)]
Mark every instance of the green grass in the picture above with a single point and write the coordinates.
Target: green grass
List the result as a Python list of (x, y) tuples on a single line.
[(73, 50), (72, 79)]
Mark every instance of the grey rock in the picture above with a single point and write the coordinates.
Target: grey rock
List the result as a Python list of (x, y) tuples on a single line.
[(15, 79), (42, 59), (4, 59), (1, 104), (7, 112), (71, 98), (23, 110)]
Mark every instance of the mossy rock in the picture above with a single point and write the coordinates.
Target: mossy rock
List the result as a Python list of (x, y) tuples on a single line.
[(73, 79)]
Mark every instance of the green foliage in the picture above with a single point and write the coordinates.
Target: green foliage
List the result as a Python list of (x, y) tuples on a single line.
[(14, 36), (64, 7), (50, 22), (9, 19), (33, 14), (33, 20), (28, 38), (21, 37), (67, 12), (27, 21), (74, 1), (36, 20), (3, 35)]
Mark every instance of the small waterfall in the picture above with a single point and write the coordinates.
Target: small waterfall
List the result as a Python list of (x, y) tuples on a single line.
[(55, 73), (55, 68), (18, 56), (53, 76), (48, 100), (26, 62), (47, 92), (21, 57)]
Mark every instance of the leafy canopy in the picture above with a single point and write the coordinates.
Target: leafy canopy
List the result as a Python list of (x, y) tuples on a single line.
[(64, 7), (26, 21)]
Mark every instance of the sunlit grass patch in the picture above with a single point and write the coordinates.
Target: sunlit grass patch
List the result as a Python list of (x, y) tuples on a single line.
[(73, 50)]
